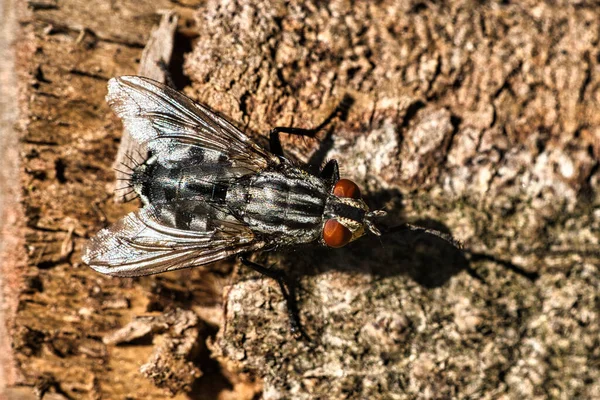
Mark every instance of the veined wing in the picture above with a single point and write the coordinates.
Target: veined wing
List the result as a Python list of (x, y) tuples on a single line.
[(177, 129), (149, 241)]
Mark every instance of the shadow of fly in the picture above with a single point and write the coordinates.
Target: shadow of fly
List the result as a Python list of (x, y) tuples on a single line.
[(209, 192)]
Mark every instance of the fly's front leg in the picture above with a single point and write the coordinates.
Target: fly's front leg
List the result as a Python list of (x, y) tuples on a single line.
[(275, 142), (409, 227), (331, 171), (287, 290)]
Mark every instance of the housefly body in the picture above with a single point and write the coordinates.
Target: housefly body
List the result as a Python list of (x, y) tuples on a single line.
[(209, 192)]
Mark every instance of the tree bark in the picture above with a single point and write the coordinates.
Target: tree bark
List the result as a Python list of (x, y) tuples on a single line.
[(479, 120)]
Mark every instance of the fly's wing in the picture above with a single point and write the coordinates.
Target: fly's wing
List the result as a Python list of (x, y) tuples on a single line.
[(166, 237), (176, 129)]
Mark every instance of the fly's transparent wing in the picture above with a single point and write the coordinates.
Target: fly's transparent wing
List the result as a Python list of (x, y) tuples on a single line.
[(177, 129), (151, 241)]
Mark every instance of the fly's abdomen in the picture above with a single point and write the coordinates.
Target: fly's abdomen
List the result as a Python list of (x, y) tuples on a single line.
[(289, 204), (158, 184)]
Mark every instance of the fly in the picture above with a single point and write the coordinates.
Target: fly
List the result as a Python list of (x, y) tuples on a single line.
[(209, 192)]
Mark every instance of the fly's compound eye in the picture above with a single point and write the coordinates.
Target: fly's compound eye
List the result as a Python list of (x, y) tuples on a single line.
[(346, 188), (335, 234)]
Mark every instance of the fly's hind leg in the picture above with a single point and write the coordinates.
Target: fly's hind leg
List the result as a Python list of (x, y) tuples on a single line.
[(275, 143), (287, 290)]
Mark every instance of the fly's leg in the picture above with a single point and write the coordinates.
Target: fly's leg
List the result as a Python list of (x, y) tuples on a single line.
[(409, 227), (287, 290), (275, 143), (331, 171)]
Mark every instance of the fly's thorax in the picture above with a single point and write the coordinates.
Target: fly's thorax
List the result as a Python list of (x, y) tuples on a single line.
[(287, 204)]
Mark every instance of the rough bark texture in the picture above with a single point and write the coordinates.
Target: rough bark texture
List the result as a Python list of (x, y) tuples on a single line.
[(487, 119), (11, 215), (480, 120)]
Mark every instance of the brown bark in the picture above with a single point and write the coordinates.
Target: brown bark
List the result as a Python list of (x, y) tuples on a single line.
[(481, 120), (11, 215)]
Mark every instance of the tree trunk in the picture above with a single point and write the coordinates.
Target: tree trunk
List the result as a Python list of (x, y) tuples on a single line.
[(478, 120)]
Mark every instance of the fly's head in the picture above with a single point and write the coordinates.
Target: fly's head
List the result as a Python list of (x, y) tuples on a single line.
[(347, 216)]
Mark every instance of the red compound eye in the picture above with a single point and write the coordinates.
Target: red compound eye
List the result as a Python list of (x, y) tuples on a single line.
[(346, 188), (335, 234)]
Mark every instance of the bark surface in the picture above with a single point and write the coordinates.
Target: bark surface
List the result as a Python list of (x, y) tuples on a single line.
[(482, 121)]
